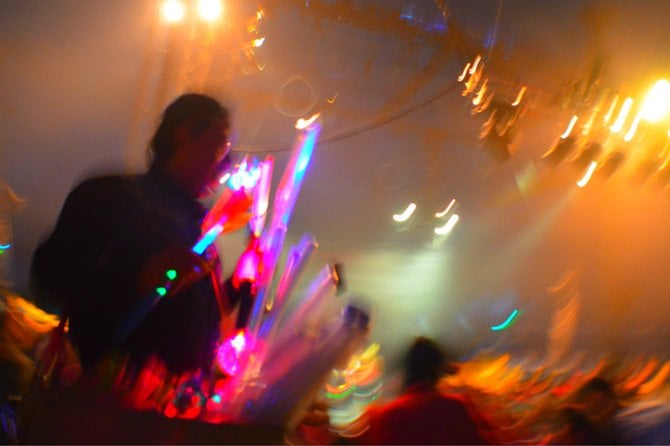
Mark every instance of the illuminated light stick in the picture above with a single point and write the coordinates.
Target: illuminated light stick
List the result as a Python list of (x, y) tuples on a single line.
[(249, 263), (298, 257), (507, 322), (207, 239), (261, 197), (230, 354), (272, 239)]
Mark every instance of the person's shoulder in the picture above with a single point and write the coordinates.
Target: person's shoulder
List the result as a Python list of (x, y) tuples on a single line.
[(100, 192), (106, 185), (104, 181)]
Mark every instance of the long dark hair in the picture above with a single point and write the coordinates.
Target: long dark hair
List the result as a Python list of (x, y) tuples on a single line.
[(196, 110)]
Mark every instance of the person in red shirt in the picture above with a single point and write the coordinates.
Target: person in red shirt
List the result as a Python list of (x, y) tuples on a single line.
[(421, 414)]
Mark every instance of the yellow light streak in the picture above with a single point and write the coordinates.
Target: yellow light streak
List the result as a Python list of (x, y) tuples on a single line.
[(465, 71), (623, 113), (406, 213), (587, 127), (633, 128), (587, 176), (610, 112), (480, 94), (475, 64), (332, 100), (444, 212), (471, 83), (448, 226), (568, 130), (519, 96)]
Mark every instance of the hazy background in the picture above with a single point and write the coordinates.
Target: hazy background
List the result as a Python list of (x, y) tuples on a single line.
[(82, 84)]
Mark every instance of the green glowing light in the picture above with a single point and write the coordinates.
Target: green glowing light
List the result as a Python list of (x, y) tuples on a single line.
[(216, 399), (161, 290), (171, 274), (510, 319)]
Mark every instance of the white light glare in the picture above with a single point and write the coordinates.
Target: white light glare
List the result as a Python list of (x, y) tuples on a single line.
[(444, 212), (172, 10), (568, 130), (587, 176), (657, 102), (302, 124), (209, 10), (623, 113), (406, 213)]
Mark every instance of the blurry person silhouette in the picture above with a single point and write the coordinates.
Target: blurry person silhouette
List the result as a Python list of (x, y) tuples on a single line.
[(572, 427), (421, 414), (598, 402), (118, 235)]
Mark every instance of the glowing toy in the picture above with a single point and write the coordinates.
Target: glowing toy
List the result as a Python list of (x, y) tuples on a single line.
[(261, 196), (272, 240), (229, 356), (508, 322), (297, 259)]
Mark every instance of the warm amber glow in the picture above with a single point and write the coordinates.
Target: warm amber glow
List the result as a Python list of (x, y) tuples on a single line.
[(609, 113), (633, 128), (173, 11), (587, 127), (657, 102), (209, 10), (480, 94), (259, 42)]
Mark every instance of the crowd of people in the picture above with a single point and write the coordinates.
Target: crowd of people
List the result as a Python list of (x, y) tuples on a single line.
[(139, 311)]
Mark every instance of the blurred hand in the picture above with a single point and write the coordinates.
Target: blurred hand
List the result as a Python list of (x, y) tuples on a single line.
[(188, 266)]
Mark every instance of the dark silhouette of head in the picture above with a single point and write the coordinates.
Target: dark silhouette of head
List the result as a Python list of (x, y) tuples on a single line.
[(425, 362), (191, 144), (597, 399), (193, 110)]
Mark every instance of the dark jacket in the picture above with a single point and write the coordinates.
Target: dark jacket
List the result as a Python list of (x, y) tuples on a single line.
[(106, 231)]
